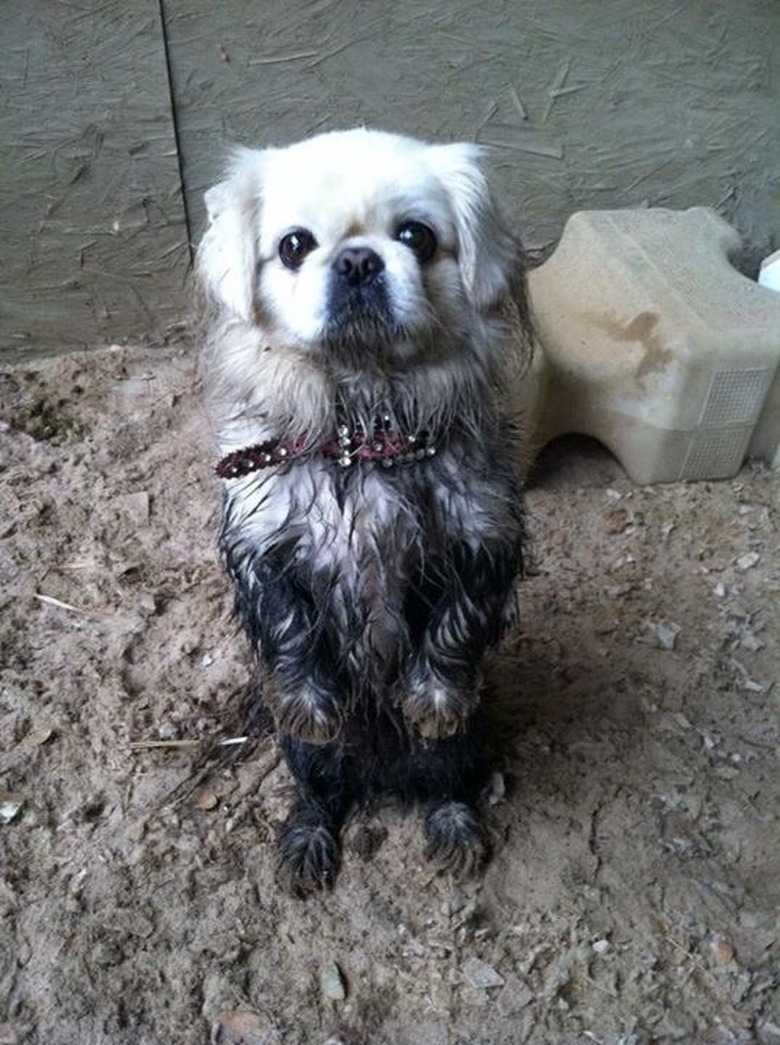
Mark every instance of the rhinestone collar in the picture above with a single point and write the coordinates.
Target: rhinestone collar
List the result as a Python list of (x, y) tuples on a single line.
[(384, 446)]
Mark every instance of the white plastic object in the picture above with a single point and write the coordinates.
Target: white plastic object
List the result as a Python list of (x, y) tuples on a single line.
[(769, 273), (654, 344)]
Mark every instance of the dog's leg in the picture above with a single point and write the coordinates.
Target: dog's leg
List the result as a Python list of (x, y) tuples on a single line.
[(288, 621), (470, 603), (309, 846), (449, 775), (456, 838)]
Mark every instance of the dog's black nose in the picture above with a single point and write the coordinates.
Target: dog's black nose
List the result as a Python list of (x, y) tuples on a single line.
[(358, 265)]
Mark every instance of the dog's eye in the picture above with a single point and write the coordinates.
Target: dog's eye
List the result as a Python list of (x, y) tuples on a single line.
[(294, 247), (419, 238)]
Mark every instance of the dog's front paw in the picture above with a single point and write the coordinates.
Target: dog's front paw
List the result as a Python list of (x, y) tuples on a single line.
[(457, 841), (309, 853), (314, 717), (436, 710)]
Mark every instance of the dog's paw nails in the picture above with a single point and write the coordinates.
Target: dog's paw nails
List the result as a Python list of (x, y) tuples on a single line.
[(436, 712), (313, 720), (309, 856), (456, 840)]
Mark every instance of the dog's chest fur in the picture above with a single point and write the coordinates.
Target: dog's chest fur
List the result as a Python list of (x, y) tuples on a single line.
[(355, 535), (361, 539)]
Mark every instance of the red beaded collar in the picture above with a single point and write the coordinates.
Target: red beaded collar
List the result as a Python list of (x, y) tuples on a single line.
[(385, 446)]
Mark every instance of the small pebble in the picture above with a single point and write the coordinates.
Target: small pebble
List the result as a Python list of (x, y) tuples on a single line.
[(751, 686), (722, 950), (38, 736), (747, 561), (9, 806), (206, 800), (600, 946), (720, 591), (666, 631), (514, 996), (244, 1027), (496, 789), (480, 974), (332, 982), (616, 521)]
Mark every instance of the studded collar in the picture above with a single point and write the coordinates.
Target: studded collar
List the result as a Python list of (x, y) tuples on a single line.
[(384, 445)]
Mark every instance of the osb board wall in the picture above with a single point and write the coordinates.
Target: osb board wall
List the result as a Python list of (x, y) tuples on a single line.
[(94, 243), (609, 103)]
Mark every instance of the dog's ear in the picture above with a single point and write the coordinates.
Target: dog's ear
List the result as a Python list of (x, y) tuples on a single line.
[(228, 253), (489, 255)]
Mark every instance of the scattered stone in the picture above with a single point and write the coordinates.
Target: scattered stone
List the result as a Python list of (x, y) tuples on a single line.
[(722, 950), (496, 789), (479, 974), (616, 521), (682, 720), (147, 604), (600, 946), (332, 982), (666, 632), (745, 682), (167, 731), (747, 561), (720, 591), (751, 686), (618, 591), (10, 806), (625, 560), (244, 1028), (206, 800), (38, 736), (514, 996)]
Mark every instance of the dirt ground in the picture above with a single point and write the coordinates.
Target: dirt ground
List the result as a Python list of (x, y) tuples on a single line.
[(634, 893)]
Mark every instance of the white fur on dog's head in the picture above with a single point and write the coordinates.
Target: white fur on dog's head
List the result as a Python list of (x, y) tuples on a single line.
[(277, 331), (353, 187)]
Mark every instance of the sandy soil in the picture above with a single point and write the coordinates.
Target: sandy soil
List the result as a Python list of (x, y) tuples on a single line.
[(634, 893)]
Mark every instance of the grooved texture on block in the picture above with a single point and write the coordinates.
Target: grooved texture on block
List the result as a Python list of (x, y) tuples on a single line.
[(715, 453), (735, 397)]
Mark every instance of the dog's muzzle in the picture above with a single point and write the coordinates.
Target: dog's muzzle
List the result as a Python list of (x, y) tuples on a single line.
[(357, 266), (359, 309)]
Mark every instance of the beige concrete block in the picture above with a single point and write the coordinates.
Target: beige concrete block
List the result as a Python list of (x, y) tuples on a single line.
[(653, 343)]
